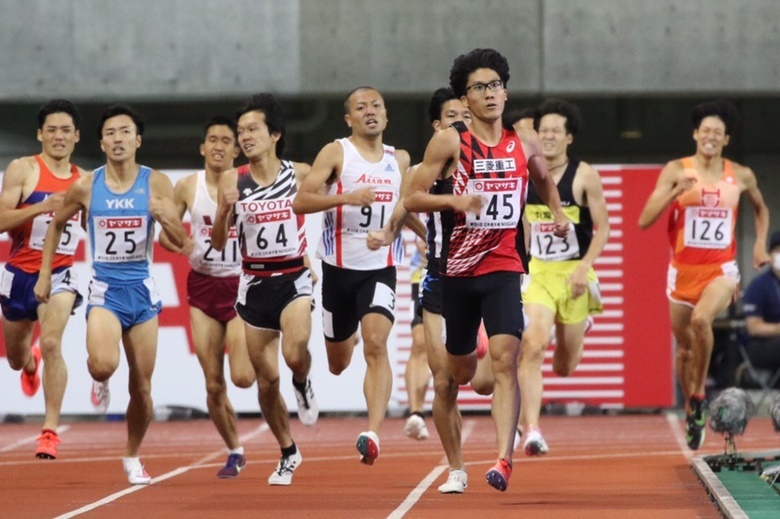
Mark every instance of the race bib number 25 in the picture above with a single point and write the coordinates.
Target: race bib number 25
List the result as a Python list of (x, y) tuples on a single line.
[(120, 238)]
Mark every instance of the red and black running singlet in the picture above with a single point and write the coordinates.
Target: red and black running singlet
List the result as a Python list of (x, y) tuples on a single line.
[(484, 242)]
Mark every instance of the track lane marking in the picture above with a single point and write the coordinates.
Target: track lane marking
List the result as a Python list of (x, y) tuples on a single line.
[(176, 472)]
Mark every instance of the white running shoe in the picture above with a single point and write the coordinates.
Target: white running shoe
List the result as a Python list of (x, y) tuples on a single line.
[(136, 474), (415, 428), (456, 483), (518, 439), (100, 396), (534, 444), (308, 410), (283, 473), (368, 447)]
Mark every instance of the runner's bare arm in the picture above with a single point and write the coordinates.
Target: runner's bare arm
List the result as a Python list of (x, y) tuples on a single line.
[(11, 195), (227, 196), (442, 150), (668, 187), (76, 198), (400, 216), (543, 181), (181, 198), (747, 178), (594, 196), (163, 208)]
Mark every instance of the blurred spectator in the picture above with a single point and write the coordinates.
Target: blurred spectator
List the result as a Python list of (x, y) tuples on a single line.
[(761, 304)]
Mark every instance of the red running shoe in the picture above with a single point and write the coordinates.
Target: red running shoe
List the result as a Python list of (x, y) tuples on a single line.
[(47, 445), (482, 341), (498, 476), (31, 382)]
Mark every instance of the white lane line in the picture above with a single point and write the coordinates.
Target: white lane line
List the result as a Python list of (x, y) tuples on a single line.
[(181, 470), (30, 439), (674, 425), (419, 490)]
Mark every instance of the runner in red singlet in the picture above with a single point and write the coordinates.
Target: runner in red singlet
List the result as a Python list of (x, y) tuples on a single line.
[(480, 264)]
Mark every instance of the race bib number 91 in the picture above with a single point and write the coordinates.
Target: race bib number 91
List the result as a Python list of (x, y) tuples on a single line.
[(708, 228), (120, 238), (373, 217), (501, 202)]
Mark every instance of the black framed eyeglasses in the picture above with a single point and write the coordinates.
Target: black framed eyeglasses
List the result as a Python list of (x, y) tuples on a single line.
[(479, 88)]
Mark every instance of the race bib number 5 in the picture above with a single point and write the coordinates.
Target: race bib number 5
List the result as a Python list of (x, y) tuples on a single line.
[(501, 202), (71, 233), (120, 238), (708, 228)]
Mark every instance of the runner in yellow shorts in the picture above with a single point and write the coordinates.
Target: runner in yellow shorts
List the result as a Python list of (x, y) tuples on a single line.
[(550, 287), (563, 289)]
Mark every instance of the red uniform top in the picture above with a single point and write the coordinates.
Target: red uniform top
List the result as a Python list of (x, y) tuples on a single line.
[(702, 219), (484, 242), (27, 239)]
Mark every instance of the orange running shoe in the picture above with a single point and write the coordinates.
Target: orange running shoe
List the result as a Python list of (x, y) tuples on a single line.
[(47, 445), (498, 476), (31, 382)]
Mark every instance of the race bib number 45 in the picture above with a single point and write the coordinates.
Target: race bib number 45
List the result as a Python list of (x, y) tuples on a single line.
[(501, 202), (708, 228), (120, 238)]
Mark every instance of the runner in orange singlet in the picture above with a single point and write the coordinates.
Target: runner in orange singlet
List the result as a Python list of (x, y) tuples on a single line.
[(703, 192), (33, 189)]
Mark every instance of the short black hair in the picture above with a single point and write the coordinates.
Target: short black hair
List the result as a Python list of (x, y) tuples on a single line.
[(221, 120), (113, 111), (510, 118), (465, 64), (441, 96), (270, 106), (724, 110), (562, 108), (358, 89), (56, 106)]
